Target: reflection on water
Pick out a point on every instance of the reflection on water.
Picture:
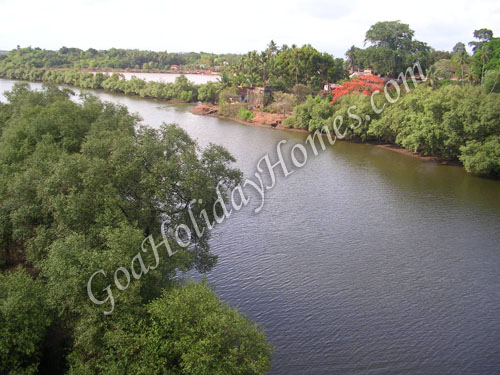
(364, 261)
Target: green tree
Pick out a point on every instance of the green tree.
(25, 317)
(209, 92)
(218, 342)
(462, 59)
(484, 55)
(391, 34)
(286, 67)
(82, 186)
(187, 330)
(482, 158)
(459, 48)
(392, 49)
(487, 58)
(483, 35)
(351, 57)
(492, 81)
(442, 122)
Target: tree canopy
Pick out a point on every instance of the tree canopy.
(391, 34)
(82, 186)
(114, 58)
(285, 67)
(391, 49)
(483, 35)
(451, 122)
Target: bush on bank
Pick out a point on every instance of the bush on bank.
(182, 89)
(452, 122)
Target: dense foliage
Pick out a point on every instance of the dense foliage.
(81, 186)
(482, 68)
(453, 122)
(184, 331)
(25, 318)
(113, 58)
(284, 67)
(182, 89)
(391, 49)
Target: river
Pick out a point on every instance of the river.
(364, 261)
(170, 77)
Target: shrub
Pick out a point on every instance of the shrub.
(209, 92)
(245, 114)
(482, 158)
(229, 104)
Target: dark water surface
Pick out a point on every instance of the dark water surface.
(365, 261)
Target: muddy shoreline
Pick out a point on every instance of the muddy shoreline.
(212, 111)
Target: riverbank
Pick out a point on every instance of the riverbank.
(400, 150)
(181, 89)
(188, 94)
(274, 121)
(260, 119)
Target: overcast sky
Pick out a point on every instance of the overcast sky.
(232, 25)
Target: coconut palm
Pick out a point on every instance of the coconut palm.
(350, 54)
(471, 78)
(462, 60)
(484, 54)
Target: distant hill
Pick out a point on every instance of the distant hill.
(3, 52)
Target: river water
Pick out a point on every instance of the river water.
(170, 77)
(364, 261)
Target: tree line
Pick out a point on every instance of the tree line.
(182, 89)
(281, 67)
(284, 67)
(114, 58)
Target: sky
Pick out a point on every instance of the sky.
(234, 26)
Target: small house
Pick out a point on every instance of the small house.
(330, 86)
(358, 73)
(256, 97)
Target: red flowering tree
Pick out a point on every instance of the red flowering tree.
(366, 85)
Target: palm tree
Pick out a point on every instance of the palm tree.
(272, 49)
(252, 79)
(224, 79)
(462, 60)
(350, 54)
(432, 78)
(484, 54)
(470, 77)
